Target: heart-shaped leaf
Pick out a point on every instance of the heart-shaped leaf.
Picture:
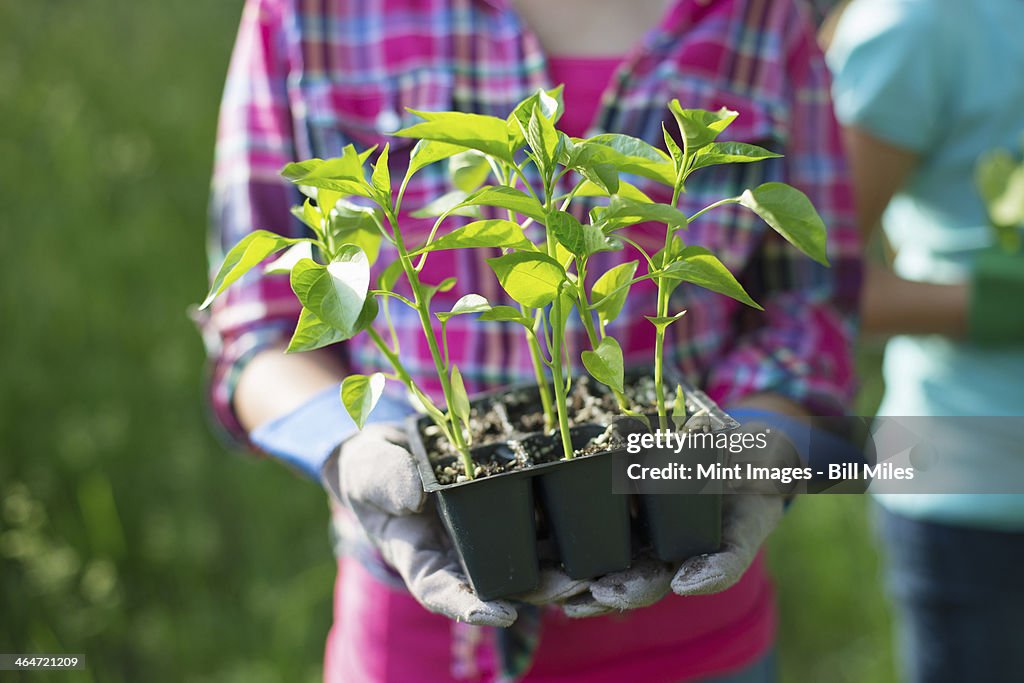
(360, 395)
(334, 293)
(605, 363)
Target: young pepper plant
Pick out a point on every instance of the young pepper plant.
(784, 208)
(330, 276)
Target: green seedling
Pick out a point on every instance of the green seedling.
(512, 168)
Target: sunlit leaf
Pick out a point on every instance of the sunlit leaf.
(699, 266)
(604, 298)
(530, 278)
(605, 363)
(249, 251)
(487, 233)
(790, 213)
(475, 131)
(360, 395)
(335, 293)
(470, 303)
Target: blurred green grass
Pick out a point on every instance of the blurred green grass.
(126, 531)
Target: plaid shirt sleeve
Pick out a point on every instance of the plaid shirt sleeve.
(801, 346)
(254, 140)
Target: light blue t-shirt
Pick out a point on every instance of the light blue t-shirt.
(944, 78)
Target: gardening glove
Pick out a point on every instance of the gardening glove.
(374, 476)
(997, 278)
(555, 587)
(747, 521)
(304, 438)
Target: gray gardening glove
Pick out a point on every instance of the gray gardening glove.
(374, 475)
(748, 519)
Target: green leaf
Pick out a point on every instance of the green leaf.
(604, 298)
(662, 322)
(730, 153)
(460, 399)
(487, 134)
(381, 178)
(673, 148)
(311, 216)
(591, 189)
(427, 152)
(605, 363)
(354, 224)
(623, 153)
(679, 408)
(551, 106)
(507, 198)
(451, 203)
(541, 135)
(700, 267)
(469, 170)
(312, 333)
(284, 263)
(507, 314)
(360, 394)
(446, 285)
(790, 213)
(699, 127)
(471, 303)
(342, 174)
(335, 293)
(478, 234)
(249, 251)
(530, 278)
(622, 212)
(568, 231)
(326, 200)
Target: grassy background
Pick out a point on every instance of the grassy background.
(126, 532)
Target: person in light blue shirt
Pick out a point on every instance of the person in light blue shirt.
(924, 88)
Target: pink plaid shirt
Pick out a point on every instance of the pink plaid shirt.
(308, 77)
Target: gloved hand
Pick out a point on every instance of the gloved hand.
(374, 475)
(997, 278)
(748, 518)
(747, 521)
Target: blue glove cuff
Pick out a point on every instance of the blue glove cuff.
(305, 437)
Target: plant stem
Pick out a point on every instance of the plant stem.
(659, 338)
(536, 357)
(422, 306)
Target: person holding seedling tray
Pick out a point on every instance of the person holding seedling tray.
(449, 220)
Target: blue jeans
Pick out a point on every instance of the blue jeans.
(959, 601)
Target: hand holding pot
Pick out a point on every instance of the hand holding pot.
(373, 475)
